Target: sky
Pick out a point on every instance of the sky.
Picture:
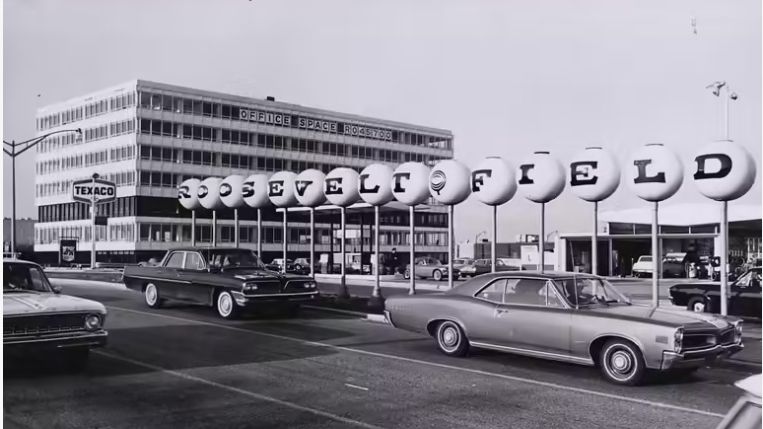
(506, 77)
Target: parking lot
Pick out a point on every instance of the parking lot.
(183, 367)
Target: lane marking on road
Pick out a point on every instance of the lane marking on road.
(247, 393)
(441, 365)
(356, 387)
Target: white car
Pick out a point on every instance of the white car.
(745, 414)
(643, 267)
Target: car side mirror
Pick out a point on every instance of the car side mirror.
(56, 289)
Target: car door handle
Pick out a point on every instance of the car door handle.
(499, 312)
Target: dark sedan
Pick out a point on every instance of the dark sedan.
(744, 295)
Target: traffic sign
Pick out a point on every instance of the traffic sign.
(98, 190)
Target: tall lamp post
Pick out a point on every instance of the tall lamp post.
(16, 149)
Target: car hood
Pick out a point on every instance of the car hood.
(645, 313)
(20, 303)
(253, 274)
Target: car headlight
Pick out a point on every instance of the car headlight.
(92, 322)
(249, 287)
(738, 331)
(678, 339)
(310, 285)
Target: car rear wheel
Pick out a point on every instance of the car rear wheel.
(697, 304)
(621, 362)
(437, 275)
(151, 294)
(451, 339)
(407, 274)
(226, 305)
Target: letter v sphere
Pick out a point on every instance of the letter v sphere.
(308, 188)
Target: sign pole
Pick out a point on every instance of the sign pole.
(92, 226)
(411, 253)
(235, 227)
(595, 240)
(312, 242)
(214, 228)
(343, 292)
(450, 246)
(259, 233)
(724, 258)
(493, 257)
(193, 228)
(655, 258)
(542, 238)
(285, 239)
(376, 296)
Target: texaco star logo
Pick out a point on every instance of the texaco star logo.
(437, 181)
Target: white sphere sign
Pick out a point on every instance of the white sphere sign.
(188, 194)
(281, 189)
(541, 177)
(230, 191)
(410, 183)
(373, 184)
(341, 186)
(254, 191)
(724, 171)
(449, 182)
(209, 193)
(656, 173)
(493, 181)
(308, 188)
(593, 174)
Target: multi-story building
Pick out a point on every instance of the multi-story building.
(148, 137)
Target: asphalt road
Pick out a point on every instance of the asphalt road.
(183, 367)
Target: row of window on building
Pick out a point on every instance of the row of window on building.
(116, 154)
(198, 107)
(99, 132)
(86, 110)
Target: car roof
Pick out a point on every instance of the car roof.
(188, 249)
(473, 286)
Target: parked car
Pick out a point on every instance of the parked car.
(482, 266)
(228, 279)
(302, 266)
(277, 265)
(462, 262)
(745, 413)
(674, 265)
(38, 319)
(643, 267)
(744, 295)
(569, 317)
(429, 268)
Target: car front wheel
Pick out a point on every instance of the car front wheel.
(697, 304)
(437, 275)
(621, 362)
(407, 274)
(451, 339)
(226, 305)
(151, 294)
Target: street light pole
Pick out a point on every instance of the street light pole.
(13, 153)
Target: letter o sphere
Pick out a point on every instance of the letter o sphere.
(494, 181)
(593, 174)
(724, 171)
(230, 191)
(373, 184)
(211, 198)
(281, 189)
(656, 173)
(308, 188)
(410, 183)
(187, 194)
(540, 177)
(254, 191)
(341, 186)
(449, 182)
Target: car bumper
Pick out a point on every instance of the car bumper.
(694, 358)
(252, 300)
(60, 341)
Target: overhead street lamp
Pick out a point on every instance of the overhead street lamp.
(17, 149)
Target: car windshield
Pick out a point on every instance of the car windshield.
(234, 258)
(645, 259)
(23, 277)
(588, 291)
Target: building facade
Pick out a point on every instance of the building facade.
(148, 137)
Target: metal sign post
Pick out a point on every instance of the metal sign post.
(93, 191)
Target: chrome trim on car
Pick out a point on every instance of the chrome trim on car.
(281, 294)
(100, 336)
(157, 279)
(534, 353)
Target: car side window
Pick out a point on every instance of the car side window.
(494, 291)
(175, 260)
(549, 295)
(193, 261)
(525, 292)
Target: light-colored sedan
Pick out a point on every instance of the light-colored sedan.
(427, 267)
(569, 317)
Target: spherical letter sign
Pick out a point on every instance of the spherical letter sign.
(541, 177)
(230, 191)
(656, 172)
(594, 175)
(410, 183)
(373, 184)
(449, 182)
(308, 188)
(341, 186)
(724, 171)
(281, 189)
(254, 191)
(209, 193)
(493, 181)
(188, 194)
